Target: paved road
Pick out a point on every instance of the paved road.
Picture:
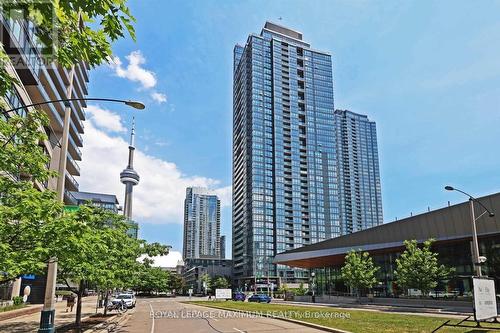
(176, 317)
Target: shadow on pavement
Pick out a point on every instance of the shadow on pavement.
(16, 327)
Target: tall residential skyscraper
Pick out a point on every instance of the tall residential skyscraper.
(201, 224)
(284, 164)
(359, 175)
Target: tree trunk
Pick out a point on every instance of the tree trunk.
(106, 303)
(79, 306)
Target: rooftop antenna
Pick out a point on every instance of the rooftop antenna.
(132, 133)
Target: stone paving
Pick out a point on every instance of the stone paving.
(30, 323)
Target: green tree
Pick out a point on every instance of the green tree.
(85, 29)
(359, 271)
(418, 267)
(221, 282)
(300, 291)
(24, 209)
(176, 283)
(154, 279)
(92, 246)
(206, 280)
(283, 289)
(32, 223)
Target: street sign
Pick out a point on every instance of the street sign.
(71, 208)
(223, 294)
(485, 303)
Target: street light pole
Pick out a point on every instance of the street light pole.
(48, 311)
(475, 244)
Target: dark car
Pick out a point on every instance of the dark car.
(239, 296)
(260, 298)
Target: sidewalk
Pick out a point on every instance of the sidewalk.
(31, 322)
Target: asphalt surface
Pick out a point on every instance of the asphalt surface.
(161, 315)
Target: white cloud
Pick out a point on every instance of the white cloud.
(159, 197)
(105, 119)
(225, 195)
(161, 143)
(170, 260)
(134, 71)
(159, 97)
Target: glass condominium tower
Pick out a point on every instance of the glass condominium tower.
(285, 188)
(359, 174)
(201, 224)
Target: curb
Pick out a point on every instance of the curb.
(295, 321)
(20, 312)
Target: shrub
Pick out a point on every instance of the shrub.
(17, 300)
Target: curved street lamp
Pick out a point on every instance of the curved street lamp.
(475, 245)
(135, 104)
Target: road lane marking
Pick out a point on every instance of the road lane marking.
(234, 328)
(153, 324)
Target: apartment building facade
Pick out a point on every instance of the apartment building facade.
(360, 194)
(201, 224)
(284, 168)
(286, 161)
(42, 81)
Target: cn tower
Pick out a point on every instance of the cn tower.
(129, 176)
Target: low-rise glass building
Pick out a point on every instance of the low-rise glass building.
(451, 229)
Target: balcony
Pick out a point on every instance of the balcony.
(76, 135)
(72, 166)
(74, 150)
(71, 183)
(20, 42)
(69, 198)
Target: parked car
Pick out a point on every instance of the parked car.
(239, 296)
(129, 299)
(260, 298)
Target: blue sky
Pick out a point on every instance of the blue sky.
(428, 72)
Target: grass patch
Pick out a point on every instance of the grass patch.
(356, 321)
(12, 307)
